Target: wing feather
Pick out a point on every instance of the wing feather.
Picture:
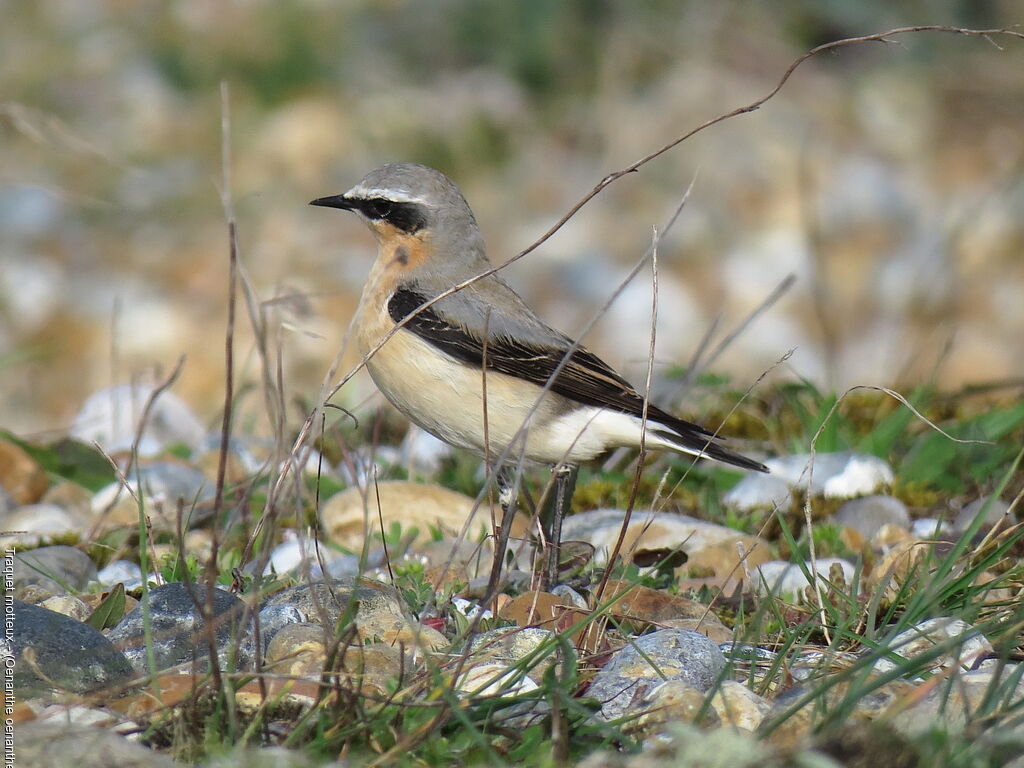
(583, 378)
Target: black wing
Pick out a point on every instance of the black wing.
(583, 378)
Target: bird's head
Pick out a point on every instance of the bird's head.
(407, 200)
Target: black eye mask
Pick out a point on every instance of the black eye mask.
(408, 217)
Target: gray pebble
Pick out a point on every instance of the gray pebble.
(274, 618)
(56, 569)
(930, 528)
(954, 707)
(778, 577)
(759, 491)
(178, 630)
(72, 655)
(62, 745)
(110, 418)
(924, 636)
(744, 652)
(869, 514)
(841, 475)
(36, 523)
(7, 502)
(570, 595)
(268, 757)
(510, 645)
(997, 509)
(330, 600)
(679, 654)
(121, 572)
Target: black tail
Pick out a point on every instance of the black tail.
(697, 439)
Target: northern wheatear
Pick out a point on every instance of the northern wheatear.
(432, 369)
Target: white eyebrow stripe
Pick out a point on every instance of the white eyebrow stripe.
(396, 196)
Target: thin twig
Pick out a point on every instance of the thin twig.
(770, 300)
(635, 488)
(488, 464)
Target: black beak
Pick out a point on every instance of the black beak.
(335, 201)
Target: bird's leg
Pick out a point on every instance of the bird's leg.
(551, 521)
(508, 497)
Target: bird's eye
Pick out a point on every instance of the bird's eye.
(378, 209)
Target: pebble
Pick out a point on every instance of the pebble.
(372, 668)
(885, 538)
(385, 626)
(247, 454)
(424, 452)
(342, 566)
(379, 612)
(347, 519)
(673, 701)
(745, 652)
(300, 650)
(759, 491)
(70, 497)
(739, 706)
(650, 530)
(268, 757)
(840, 475)
(7, 503)
(899, 562)
(869, 514)
(275, 618)
(687, 746)
(325, 602)
(73, 655)
(815, 665)
(67, 605)
(299, 553)
(513, 580)
(21, 476)
(571, 596)
(930, 528)
(955, 704)
(453, 560)
(782, 578)
(165, 485)
(924, 636)
(32, 524)
(678, 654)
(798, 725)
(297, 556)
(121, 572)
(61, 745)
(639, 605)
(57, 569)
(76, 714)
(178, 630)
(511, 645)
(470, 609)
(997, 510)
(494, 679)
(297, 650)
(110, 417)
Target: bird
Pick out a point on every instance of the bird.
(548, 399)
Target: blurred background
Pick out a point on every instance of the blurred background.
(887, 178)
